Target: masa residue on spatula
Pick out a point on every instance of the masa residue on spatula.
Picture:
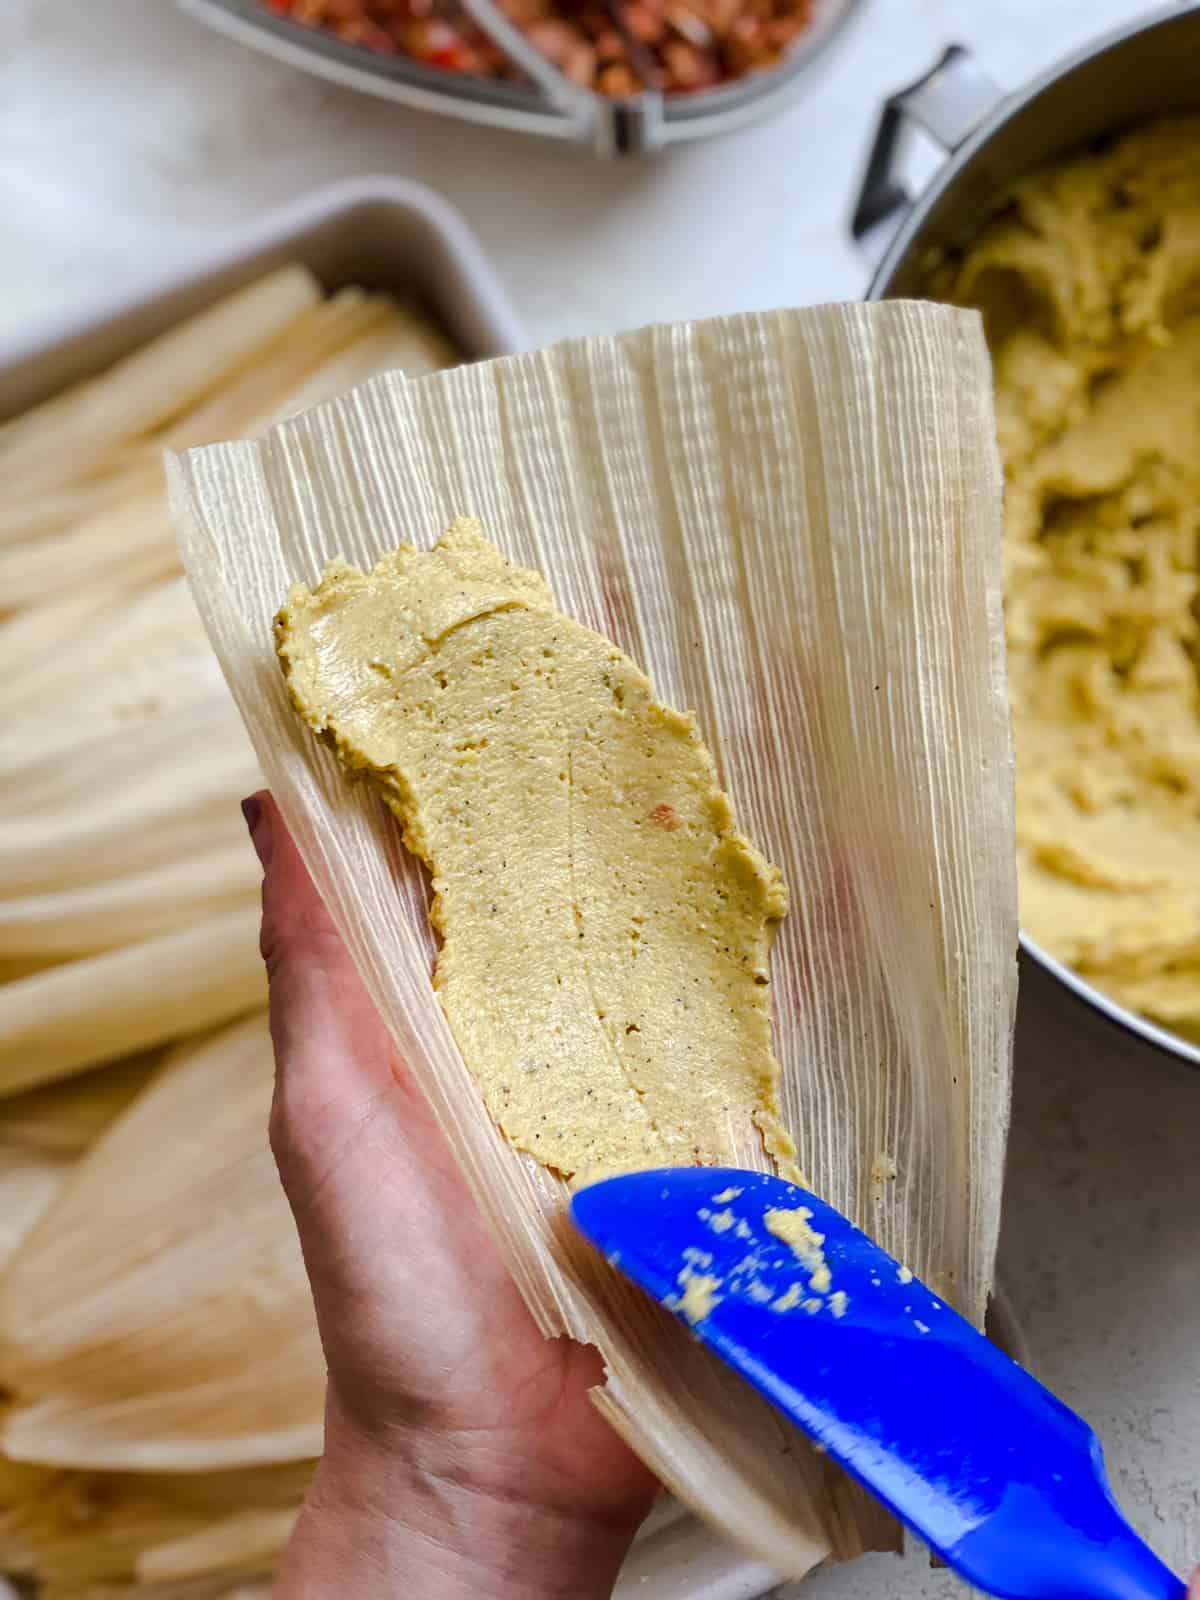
(606, 930)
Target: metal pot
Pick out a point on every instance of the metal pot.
(992, 139)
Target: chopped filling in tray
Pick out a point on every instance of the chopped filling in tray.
(614, 47)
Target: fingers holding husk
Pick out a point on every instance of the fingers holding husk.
(333, 1055)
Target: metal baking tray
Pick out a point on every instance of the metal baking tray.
(548, 102)
(380, 233)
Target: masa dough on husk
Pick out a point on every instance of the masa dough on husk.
(1089, 281)
(606, 930)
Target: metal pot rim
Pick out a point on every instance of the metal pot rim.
(1129, 1021)
(1006, 107)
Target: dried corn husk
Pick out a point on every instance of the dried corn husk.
(244, 1541)
(158, 1318)
(129, 543)
(76, 1528)
(19, 1481)
(405, 341)
(185, 761)
(31, 640)
(37, 515)
(96, 721)
(86, 918)
(253, 398)
(63, 1119)
(58, 441)
(56, 647)
(207, 1588)
(161, 1315)
(29, 1181)
(793, 523)
(90, 1011)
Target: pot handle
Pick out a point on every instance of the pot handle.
(949, 102)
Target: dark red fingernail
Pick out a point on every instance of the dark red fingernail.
(260, 830)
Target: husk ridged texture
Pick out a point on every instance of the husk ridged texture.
(76, 1529)
(792, 522)
(158, 1317)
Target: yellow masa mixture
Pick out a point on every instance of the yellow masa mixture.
(1090, 286)
(605, 929)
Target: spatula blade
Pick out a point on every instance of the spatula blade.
(997, 1475)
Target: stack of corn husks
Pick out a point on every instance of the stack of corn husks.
(160, 1372)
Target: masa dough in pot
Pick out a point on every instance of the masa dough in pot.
(606, 930)
(1089, 281)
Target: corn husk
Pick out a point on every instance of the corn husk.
(253, 399)
(405, 341)
(185, 762)
(122, 726)
(31, 640)
(100, 720)
(208, 1588)
(129, 542)
(87, 918)
(64, 1119)
(58, 441)
(56, 647)
(29, 1181)
(244, 1541)
(19, 1481)
(76, 1528)
(54, 510)
(10, 971)
(94, 1010)
(128, 889)
(159, 1318)
(792, 521)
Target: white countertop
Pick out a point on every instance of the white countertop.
(130, 138)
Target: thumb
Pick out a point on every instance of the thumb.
(350, 1132)
(333, 1056)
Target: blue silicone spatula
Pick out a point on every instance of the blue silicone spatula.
(993, 1472)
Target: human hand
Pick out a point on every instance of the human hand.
(462, 1454)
